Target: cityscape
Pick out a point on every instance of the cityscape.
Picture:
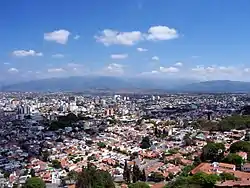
(165, 137)
(124, 94)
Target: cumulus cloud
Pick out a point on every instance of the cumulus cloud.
(161, 33)
(55, 70)
(13, 70)
(110, 37)
(58, 56)
(169, 69)
(178, 64)
(24, 53)
(155, 58)
(142, 49)
(114, 68)
(59, 36)
(119, 56)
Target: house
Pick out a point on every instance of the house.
(246, 167)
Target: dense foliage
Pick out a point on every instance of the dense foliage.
(90, 177)
(139, 185)
(213, 152)
(240, 146)
(34, 182)
(226, 124)
(199, 180)
(145, 143)
(233, 158)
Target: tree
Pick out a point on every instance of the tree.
(197, 161)
(187, 141)
(145, 143)
(227, 176)
(233, 158)
(205, 180)
(156, 177)
(143, 176)
(34, 182)
(101, 144)
(213, 152)
(139, 185)
(73, 175)
(240, 146)
(32, 172)
(56, 164)
(136, 173)
(170, 175)
(95, 178)
(45, 155)
(126, 173)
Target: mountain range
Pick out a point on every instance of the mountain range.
(77, 84)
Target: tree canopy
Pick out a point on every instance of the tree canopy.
(145, 143)
(139, 185)
(213, 152)
(34, 182)
(94, 178)
(233, 158)
(240, 146)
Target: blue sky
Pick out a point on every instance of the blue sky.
(196, 39)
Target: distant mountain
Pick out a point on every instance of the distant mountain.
(96, 82)
(107, 83)
(218, 86)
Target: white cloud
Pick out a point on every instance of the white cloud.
(155, 58)
(169, 69)
(214, 69)
(56, 70)
(110, 37)
(24, 53)
(114, 68)
(76, 37)
(178, 64)
(13, 70)
(60, 36)
(58, 56)
(161, 33)
(6, 63)
(142, 50)
(119, 56)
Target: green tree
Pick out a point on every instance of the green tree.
(32, 172)
(233, 158)
(205, 180)
(145, 143)
(227, 176)
(101, 144)
(91, 177)
(34, 182)
(56, 164)
(126, 173)
(73, 175)
(156, 177)
(143, 176)
(213, 152)
(136, 173)
(197, 161)
(240, 146)
(139, 185)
